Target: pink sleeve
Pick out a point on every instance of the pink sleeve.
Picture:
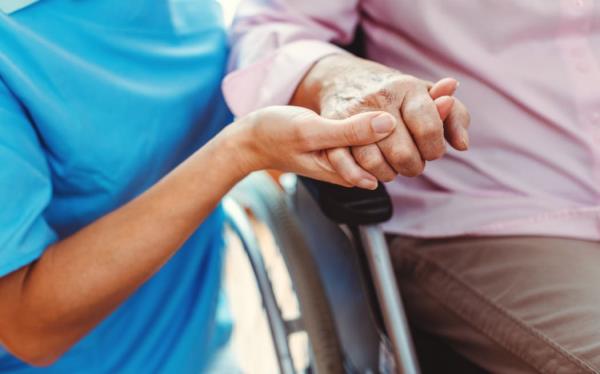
(275, 42)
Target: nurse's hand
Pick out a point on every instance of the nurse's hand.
(295, 139)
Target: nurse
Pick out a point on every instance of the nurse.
(111, 241)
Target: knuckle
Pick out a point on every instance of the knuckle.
(371, 100)
(439, 152)
(371, 163)
(368, 159)
(404, 82)
(428, 131)
(386, 96)
(414, 170)
(407, 162)
(353, 178)
(413, 116)
(341, 182)
(434, 154)
(420, 167)
(400, 156)
(415, 106)
(388, 177)
(336, 159)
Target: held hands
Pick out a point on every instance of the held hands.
(375, 123)
(428, 116)
(295, 139)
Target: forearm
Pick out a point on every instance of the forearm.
(47, 306)
(81, 279)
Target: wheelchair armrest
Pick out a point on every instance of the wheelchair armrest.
(350, 206)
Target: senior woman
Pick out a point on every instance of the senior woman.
(110, 232)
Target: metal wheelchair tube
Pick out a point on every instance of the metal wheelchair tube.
(388, 294)
(367, 210)
(239, 223)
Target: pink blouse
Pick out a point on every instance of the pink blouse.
(530, 76)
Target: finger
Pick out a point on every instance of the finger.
(316, 165)
(360, 129)
(343, 163)
(422, 119)
(443, 87)
(333, 178)
(401, 152)
(370, 158)
(444, 106)
(456, 126)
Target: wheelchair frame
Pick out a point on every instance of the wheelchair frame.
(364, 211)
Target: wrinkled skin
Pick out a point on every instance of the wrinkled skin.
(428, 116)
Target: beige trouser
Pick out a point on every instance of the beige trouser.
(509, 304)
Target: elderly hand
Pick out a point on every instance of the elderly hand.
(339, 86)
(296, 139)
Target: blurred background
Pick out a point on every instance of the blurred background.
(229, 7)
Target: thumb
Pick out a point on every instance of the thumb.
(361, 129)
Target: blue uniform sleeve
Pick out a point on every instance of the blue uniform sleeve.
(25, 188)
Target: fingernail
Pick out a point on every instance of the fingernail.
(465, 138)
(383, 123)
(368, 184)
(455, 88)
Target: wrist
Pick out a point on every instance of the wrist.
(319, 80)
(236, 144)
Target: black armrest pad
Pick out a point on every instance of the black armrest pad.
(351, 206)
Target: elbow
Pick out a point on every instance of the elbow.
(35, 350)
(38, 359)
(31, 332)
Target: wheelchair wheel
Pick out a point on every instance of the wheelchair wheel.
(268, 203)
(314, 306)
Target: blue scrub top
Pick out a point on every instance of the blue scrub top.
(98, 100)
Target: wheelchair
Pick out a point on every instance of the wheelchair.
(338, 261)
